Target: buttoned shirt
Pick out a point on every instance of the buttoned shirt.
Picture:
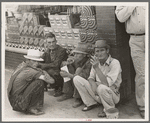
(111, 69)
(134, 18)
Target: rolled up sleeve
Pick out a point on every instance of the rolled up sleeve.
(92, 74)
(113, 74)
(124, 12)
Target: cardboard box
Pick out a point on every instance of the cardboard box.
(76, 34)
(63, 34)
(70, 34)
(52, 21)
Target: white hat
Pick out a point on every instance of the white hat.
(33, 55)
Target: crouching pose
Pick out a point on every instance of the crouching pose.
(80, 66)
(104, 80)
(26, 85)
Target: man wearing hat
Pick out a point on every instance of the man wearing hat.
(80, 66)
(53, 58)
(104, 81)
(26, 85)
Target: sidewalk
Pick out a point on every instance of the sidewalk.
(64, 110)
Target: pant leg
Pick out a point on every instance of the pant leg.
(32, 96)
(58, 82)
(107, 96)
(137, 45)
(68, 88)
(85, 90)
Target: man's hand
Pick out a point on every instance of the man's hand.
(78, 70)
(47, 78)
(66, 74)
(94, 61)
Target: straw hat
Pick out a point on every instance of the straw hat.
(33, 55)
(83, 48)
(101, 44)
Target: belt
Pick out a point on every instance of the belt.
(136, 34)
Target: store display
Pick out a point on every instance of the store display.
(92, 22)
(31, 33)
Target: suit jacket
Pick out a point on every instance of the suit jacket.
(53, 67)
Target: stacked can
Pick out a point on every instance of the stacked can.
(31, 33)
(12, 32)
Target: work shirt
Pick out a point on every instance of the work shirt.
(134, 18)
(24, 78)
(111, 69)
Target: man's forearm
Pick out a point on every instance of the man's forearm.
(101, 76)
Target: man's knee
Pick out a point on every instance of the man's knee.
(76, 80)
(101, 89)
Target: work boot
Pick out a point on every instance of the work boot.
(35, 111)
(78, 102)
(64, 97)
(58, 92)
(101, 114)
(142, 113)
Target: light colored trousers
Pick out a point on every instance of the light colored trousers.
(104, 95)
(137, 45)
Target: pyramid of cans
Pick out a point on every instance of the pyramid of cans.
(31, 33)
(12, 32)
(88, 32)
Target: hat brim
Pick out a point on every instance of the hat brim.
(76, 51)
(36, 59)
(107, 46)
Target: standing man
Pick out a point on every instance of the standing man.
(53, 57)
(80, 66)
(26, 85)
(104, 80)
(134, 18)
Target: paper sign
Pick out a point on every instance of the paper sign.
(65, 68)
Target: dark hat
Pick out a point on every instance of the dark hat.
(83, 48)
(49, 35)
(101, 44)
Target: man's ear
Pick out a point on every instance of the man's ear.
(108, 51)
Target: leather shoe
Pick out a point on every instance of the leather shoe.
(101, 114)
(78, 102)
(36, 111)
(64, 97)
(142, 113)
(58, 93)
(87, 108)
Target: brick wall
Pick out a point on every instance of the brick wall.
(12, 59)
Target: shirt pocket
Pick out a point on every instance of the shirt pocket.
(30, 78)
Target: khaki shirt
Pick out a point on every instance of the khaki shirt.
(111, 69)
(134, 18)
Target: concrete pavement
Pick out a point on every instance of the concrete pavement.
(63, 110)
